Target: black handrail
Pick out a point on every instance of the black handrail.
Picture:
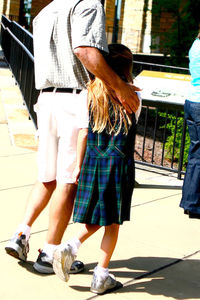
(17, 45)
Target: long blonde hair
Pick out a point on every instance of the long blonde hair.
(106, 112)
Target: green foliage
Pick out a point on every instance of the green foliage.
(170, 142)
(177, 41)
(166, 5)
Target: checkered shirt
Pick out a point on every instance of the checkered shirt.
(60, 27)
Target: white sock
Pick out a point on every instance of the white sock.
(101, 272)
(75, 244)
(25, 229)
(49, 249)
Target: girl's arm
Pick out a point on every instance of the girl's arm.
(81, 147)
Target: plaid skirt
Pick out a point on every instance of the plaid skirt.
(107, 179)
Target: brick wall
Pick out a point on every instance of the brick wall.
(10, 8)
(110, 14)
(132, 24)
(37, 5)
(137, 24)
(1, 8)
(110, 11)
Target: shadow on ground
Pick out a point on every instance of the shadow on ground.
(170, 277)
(28, 265)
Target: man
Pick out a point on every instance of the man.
(69, 37)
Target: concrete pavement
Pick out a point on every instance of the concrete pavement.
(158, 253)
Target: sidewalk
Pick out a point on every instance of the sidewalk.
(158, 254)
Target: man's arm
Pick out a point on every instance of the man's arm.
(94, 62)
(81, 147)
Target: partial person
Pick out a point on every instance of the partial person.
(69, 40)
(106, 179)
(190, 201)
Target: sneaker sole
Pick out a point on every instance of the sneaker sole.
(42, 269)
(62, 266)
(15, 251)
(117, 286)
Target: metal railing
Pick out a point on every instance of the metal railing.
(139, 66)
(152, 131)
(162, 127)
(160, 140)
(17, 44)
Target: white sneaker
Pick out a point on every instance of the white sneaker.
(62, 261)
(102, 285)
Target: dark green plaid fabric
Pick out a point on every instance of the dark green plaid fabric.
(107, 179)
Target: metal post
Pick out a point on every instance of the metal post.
(180, 165)
(118, 4)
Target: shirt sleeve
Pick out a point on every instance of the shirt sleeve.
(137, 113)
(88, 26)
(83, 114)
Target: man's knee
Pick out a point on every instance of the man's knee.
(46, 186)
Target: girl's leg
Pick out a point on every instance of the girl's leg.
(108, 244)
(102, 280)
(86, 231)
(65, 254)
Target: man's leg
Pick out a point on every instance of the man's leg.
(38, 199)
(60, 212)
(39, 196)
(63, 161)
(59, 216)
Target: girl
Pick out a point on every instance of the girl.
(106, 180)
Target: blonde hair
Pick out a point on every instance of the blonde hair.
(106, 112)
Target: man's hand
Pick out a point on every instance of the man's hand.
(94, 62)
(76, 174)
(128, 97)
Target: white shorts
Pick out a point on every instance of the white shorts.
(59, 117)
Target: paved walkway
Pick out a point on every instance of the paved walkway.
(158, 254)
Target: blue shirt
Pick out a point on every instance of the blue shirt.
(194, 66)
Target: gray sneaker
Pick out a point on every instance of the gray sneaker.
(62, 261)
(101, 286)
(18, 246)
(43, 263)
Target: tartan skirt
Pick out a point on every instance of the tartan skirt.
(107, 179)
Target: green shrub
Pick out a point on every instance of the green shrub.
(171, 125)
